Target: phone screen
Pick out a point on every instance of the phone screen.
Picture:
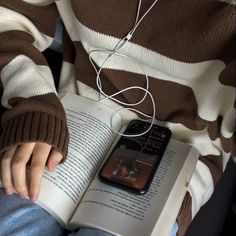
(134, 160)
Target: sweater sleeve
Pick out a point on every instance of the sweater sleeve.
(34, 112)
(210, 168)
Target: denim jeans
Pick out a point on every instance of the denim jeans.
(21, 217)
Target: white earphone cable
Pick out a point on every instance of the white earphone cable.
(113, 52)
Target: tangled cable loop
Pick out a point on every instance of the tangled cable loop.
(115, 52)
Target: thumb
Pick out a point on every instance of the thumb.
(54, 159)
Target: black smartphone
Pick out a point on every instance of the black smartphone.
(133, 161)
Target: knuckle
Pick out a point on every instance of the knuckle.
(43, 145)
(18, 163)
(6, 158)
(37, 168)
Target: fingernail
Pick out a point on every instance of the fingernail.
(9, 191)
(53, 166)
(23, 194)
(34, 197)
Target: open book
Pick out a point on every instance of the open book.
(76, 197)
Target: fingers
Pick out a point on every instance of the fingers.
(6, 177)
(39, 159)
(13, 168)
(18, 167)
(54, 159)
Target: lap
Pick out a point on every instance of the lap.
(21, 217)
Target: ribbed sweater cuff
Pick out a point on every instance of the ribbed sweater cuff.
(35, 127)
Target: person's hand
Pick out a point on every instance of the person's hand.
(13, 167)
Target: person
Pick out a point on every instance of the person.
(126, 169)
(184, 47)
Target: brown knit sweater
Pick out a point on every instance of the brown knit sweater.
(186, 47)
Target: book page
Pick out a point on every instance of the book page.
(123, 213)
(90, 138)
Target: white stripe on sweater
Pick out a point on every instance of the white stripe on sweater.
(201, 138)
(200, 187)
(200, 77)
(39, 2)
(228, 1)
(23, 78)
(11, 20)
